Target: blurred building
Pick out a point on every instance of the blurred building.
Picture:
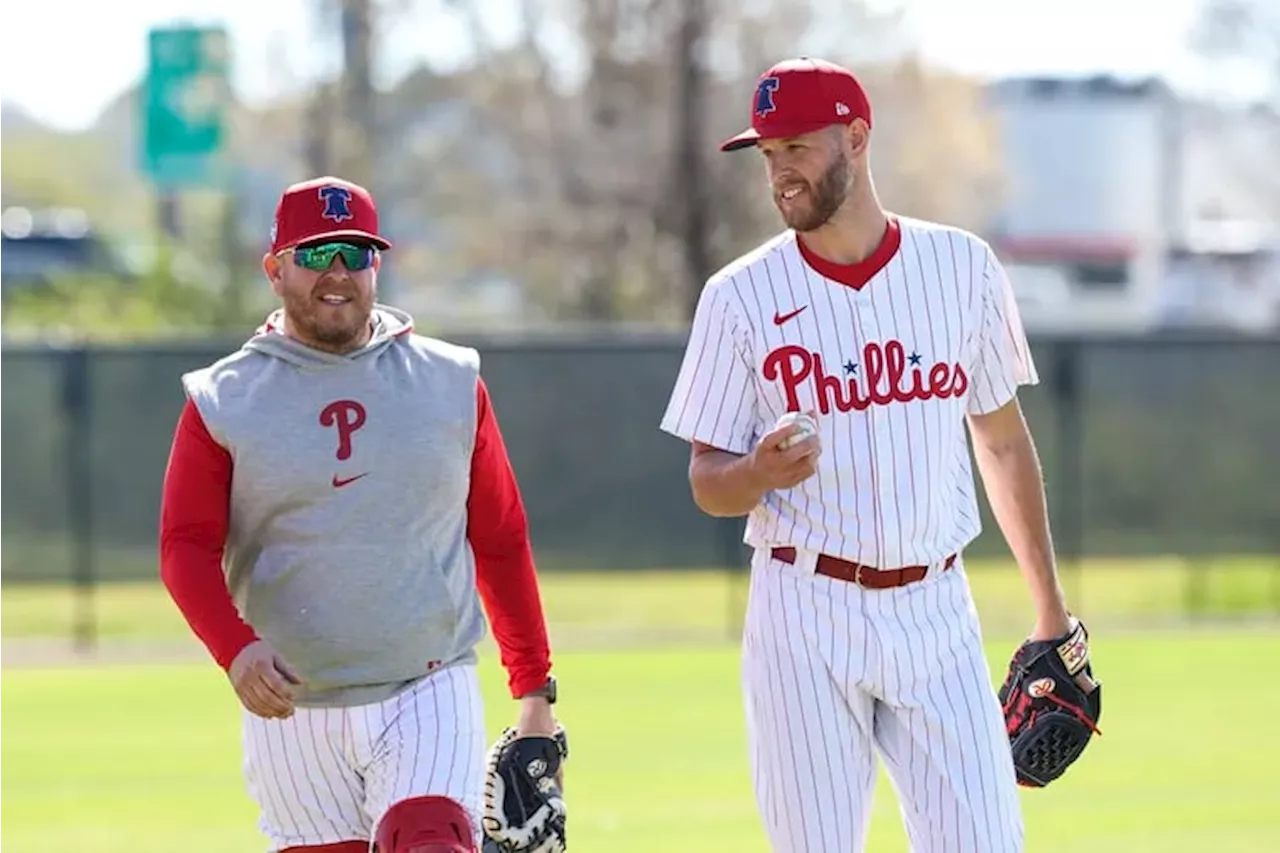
(38, 245)
(1128, 207)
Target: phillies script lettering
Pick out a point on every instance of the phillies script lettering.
(348, 416)
(884, 369)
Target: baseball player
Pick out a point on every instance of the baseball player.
(337, 507)
(860, 637)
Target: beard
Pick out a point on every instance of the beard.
(332, 328)
(814, 207)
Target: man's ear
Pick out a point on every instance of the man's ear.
(857, 136)
(273, 268)
(377, 262)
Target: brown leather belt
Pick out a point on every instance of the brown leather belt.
(868, 576)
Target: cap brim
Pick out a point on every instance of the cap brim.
(749, 137)
(746, 139)
(381, 242)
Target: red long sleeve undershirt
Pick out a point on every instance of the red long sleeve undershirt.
(194, 515)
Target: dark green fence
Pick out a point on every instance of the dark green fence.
(1151, 446)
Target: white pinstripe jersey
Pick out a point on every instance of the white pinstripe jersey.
(892, 353)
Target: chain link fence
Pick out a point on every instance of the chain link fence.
(1154, 446)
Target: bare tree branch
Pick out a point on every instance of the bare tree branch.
(607, 197)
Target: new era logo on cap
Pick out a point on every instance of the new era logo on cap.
(799, 96)
(325, 208)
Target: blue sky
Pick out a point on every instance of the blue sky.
(274, 44)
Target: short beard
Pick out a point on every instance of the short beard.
(827, 197)
(328, 337)
(336, 340)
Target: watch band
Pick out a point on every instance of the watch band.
(546, 691)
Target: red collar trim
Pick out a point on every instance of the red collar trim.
(856, 275)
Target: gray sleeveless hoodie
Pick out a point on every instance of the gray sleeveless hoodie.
(347, 548)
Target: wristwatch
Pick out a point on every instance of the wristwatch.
(547, 691)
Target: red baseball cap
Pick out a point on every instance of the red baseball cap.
(324, 209)
(799, 96)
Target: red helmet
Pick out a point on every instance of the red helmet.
(425, 825)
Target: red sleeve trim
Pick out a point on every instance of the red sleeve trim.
(194, 517)
(498, 531)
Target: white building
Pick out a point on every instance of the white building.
(1130, 208)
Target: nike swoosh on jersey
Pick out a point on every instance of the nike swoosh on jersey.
(339, 482)
(779, 318)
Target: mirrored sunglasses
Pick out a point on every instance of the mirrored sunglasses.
(320, 258)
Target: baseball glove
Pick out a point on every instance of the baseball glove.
(524, 808)
(1049, 716)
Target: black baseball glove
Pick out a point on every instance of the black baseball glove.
(1051, 705)
(524, 808)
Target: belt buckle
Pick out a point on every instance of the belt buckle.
(857, 573)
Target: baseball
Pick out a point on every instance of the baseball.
(807, 424)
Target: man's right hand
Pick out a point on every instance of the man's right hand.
(776, 467)
(264, 681)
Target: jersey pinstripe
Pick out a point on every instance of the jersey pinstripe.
(835, 674)
(891, 369)
(328, 774)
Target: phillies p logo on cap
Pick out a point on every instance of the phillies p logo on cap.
(325, 208)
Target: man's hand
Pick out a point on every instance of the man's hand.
(264, 681)
(524, 807)
(537, 718)
(773, 466)
(727, 484)
(1056, 626)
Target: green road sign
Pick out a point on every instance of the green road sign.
(185, 99)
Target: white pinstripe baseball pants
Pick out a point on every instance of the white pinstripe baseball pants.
(326, 775)
(835, 674)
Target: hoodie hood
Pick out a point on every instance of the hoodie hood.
(269, 339)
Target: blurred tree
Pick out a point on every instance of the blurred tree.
(586, 165)
(1244, 36)
(935, 151)
(356, 152)
(1241, 31)
(576, 159)
(691, 173)
(170, 299)
(94, 171)
(341, 117)
(76, 170)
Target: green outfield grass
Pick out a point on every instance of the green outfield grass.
(113, 755)
(1186, 762)
(669, 607)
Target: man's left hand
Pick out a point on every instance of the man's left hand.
(1054, 627)
(1051, 704)
(537, 718)
(524, 807)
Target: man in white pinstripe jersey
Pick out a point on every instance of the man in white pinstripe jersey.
(861, 638)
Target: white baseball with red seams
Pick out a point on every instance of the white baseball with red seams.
(891, 354)
(808, 426)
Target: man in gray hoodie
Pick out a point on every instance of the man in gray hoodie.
(337, 509)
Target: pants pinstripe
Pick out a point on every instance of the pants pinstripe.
(328, 774)
(835, 675)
